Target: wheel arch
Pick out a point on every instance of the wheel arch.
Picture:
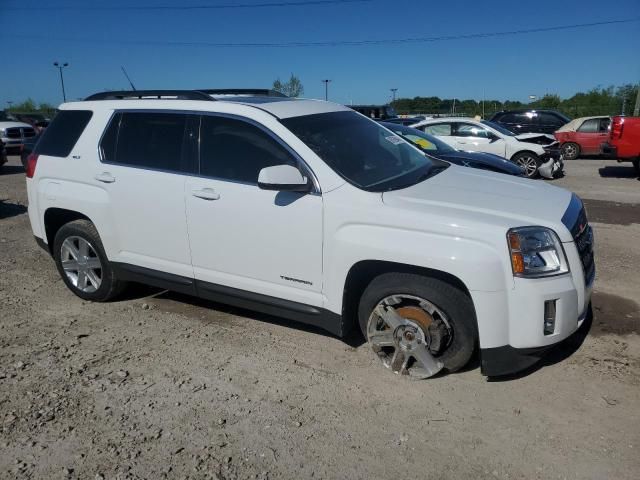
(55, 218)
(520, 152)
(363, 272)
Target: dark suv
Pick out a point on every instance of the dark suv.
(530, 121)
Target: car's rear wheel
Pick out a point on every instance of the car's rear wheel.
(83, 264)
(529, 162)
(418, 325)
(570, 151)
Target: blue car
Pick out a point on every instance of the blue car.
(438, 149)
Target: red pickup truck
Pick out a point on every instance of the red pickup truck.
(624, 140)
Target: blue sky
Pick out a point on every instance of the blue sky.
(509, 67)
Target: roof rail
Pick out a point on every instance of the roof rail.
(151, 94)
(254, 92)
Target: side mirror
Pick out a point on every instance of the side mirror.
(493, 137)
(283, 178)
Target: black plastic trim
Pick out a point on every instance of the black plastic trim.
(154, 94)
(506, 360)
(41, 243)
(135, 273)
(300, 312)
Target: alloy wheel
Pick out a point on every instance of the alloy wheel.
(408, 333)
(529, 164)
(81, 264)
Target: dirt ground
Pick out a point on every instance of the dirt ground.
(159, 385)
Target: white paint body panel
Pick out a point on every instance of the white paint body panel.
(506, 146)
(250, 239)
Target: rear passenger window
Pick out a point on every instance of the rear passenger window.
(149, 140)
(235, 150)
(439, 129)
(61, 136)
(590, 126)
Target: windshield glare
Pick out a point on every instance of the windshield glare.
(362, 152)
(499, 128)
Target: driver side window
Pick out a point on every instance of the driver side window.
(235, 150)
(470, 130)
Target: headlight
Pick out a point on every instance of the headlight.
(536, 252)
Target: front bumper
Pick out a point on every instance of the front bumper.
(507, 360)
(552, 162)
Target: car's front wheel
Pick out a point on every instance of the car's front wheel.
(529, 162)
(418, 325)
(570, 151)
(83, 264)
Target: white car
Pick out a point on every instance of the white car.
(537, 154)
(310, 211)
(13, 134)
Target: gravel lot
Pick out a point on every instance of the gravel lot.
(159, 385)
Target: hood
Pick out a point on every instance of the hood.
(467, 195)
(537, 138)
(484, 161)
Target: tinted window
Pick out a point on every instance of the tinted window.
(469, 130)
(362, 151)
(235, 150)
(519, 118)
(550, 119)
(590, 126)
(605, 124)
(438, 129)
(61, 136)
(150, 140)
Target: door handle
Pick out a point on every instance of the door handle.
(105, 177)
(206, 194)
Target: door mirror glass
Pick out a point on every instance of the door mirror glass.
(283, 178)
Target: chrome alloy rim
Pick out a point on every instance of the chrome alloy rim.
(408, 333)
(570, 150)
(529, 164)
(81, 264)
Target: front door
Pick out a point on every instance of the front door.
(241, 236)
(473, 138)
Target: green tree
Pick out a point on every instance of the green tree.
(292, 88)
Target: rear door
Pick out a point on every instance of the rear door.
(474, 138)
(145, 156)
(241, 236)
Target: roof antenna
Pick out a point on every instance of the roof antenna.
(130, 82)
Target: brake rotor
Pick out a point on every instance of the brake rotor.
(418, 315)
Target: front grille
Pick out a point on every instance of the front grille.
(13, 132)
(583, 236)
(20, 132)
(28, 132)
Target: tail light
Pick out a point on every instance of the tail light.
(617, 126)
(32, 160)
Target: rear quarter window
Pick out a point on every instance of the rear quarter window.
(62, 134)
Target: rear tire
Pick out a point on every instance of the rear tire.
(570, 151)
(83, 264)
(452, 346)
(529, 162)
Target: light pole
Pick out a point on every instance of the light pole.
(60, 67)
(393, 91)
(326, 88)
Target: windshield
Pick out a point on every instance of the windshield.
(362, 152)
(426, 142)
(499, 128)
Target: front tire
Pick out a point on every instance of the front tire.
(418, 325)
(570, 151)
(83, 264)
(529, 162)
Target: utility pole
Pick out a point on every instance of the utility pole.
(60, 67)
(326, 88)
(636, 109)
(393, 91)
(624, 105)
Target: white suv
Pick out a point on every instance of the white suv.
(310, 211)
